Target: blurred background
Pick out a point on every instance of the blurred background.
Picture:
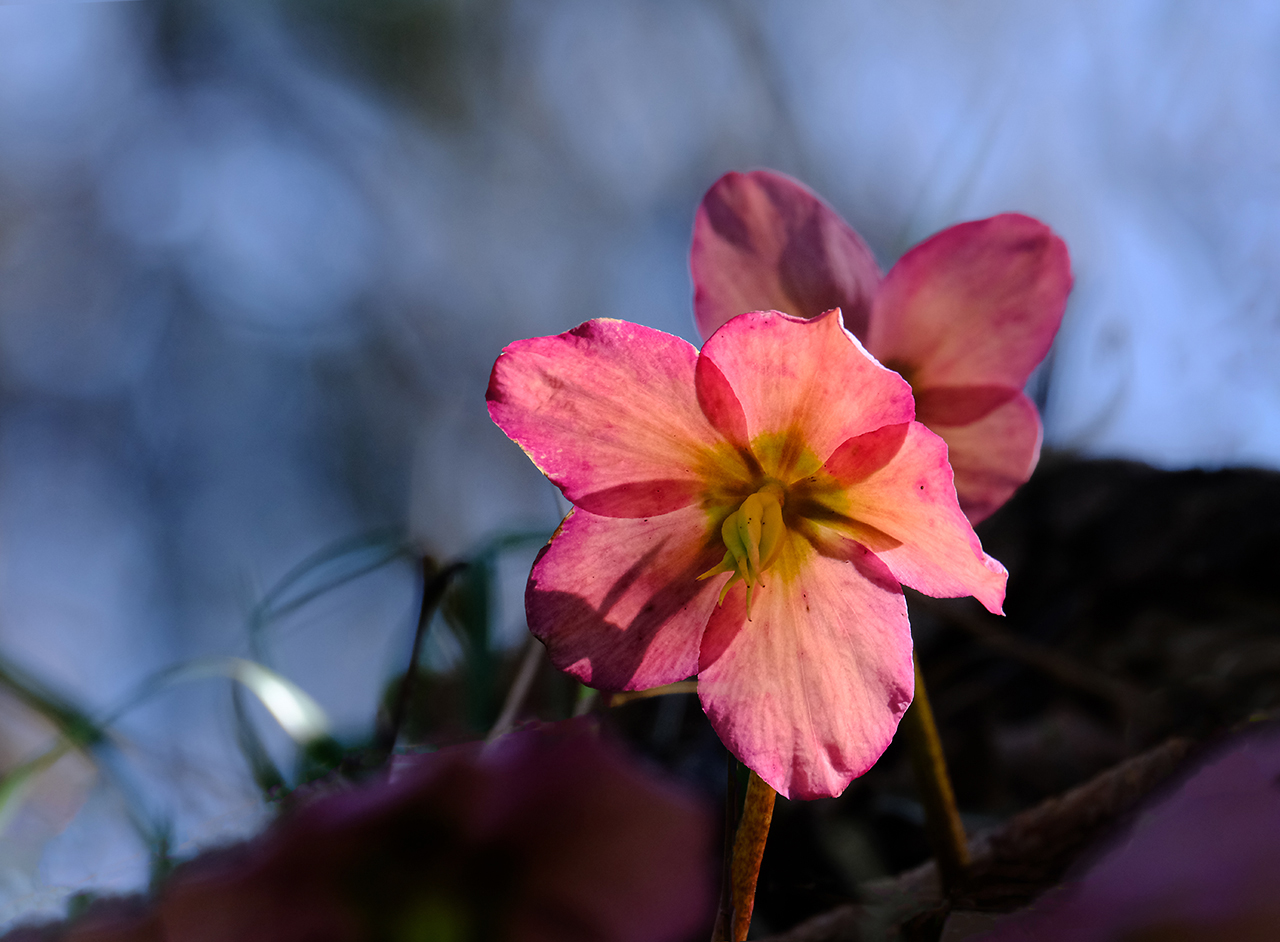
(257, 259)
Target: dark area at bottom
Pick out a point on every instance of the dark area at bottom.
(1142, 604)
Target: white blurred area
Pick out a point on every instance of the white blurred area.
(250, 296)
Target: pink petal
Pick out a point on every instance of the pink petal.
(762, 241)
(859, 458)
(808, 693)
(617, 601)
(939, 406)
(994, 456)
(808, 379)
(608, 411)
(912, 499)
(975, 305)
(720, 403)
(640, 498)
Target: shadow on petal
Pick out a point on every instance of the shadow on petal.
(655, 641)
(959, 405)
(640, 498)
(862, 456)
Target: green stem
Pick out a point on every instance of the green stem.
(941, 818)
(748, 850)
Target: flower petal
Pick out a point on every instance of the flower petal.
(975, 305)
(617, 601)
(994, 456)
(720, 403)
(762, 241)
(606, 407)
(860, 457)
(913, 499)
(808, 693)
(939, 406)
(807, 378)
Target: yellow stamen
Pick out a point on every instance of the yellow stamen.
(749, 517)
(752, 537)
(772, 530)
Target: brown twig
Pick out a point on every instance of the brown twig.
(1013, 862)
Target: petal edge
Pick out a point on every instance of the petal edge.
(763, 241)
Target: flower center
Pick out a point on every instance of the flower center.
(752, 537)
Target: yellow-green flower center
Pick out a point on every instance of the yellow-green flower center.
(752, 537)
(764, 498)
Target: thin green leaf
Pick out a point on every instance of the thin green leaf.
(292, 707)
(327, 569)
(266, 774)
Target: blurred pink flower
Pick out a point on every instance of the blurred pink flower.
(547, 835)
(964, 316)
(1201, 865)
(747, 514)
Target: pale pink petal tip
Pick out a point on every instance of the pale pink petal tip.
(810, 704)
(913, 500)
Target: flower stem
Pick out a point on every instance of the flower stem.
(748, 849)
(941, 819)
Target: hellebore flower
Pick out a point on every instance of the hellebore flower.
(747, 514)
(547, 835)
(1200, 865)
(964, 316)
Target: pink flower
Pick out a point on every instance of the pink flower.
(546, 836)
(964, 316)
(747, 514)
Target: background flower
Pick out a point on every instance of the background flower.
(965, 316)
